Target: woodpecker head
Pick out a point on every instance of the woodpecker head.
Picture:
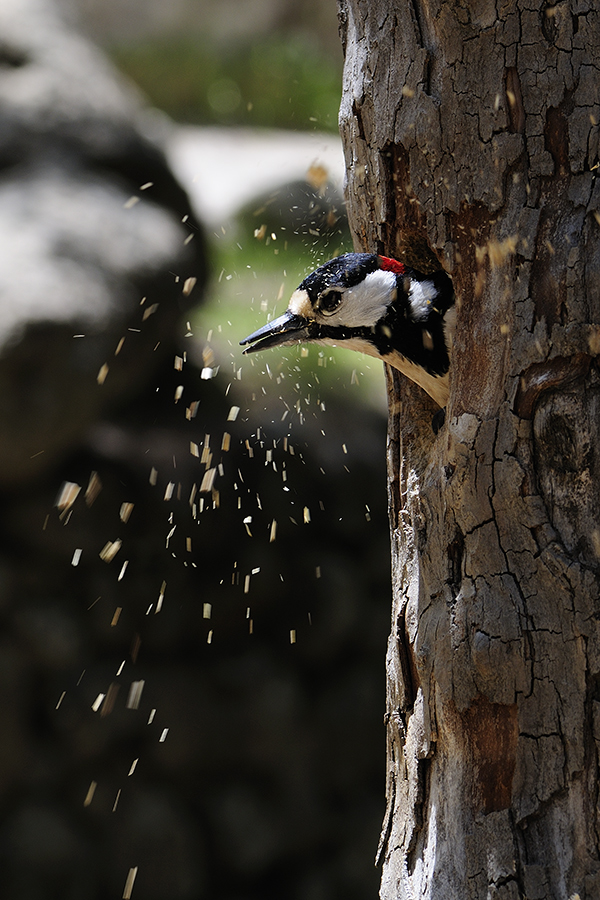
(375, 305)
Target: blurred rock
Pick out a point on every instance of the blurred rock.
(47, 855)
(227, 169)
(312, 213)
(92, 244)
(269, 780)
(162, 837)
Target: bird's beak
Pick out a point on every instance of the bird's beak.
(287, 329)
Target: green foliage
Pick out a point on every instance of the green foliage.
(275, 82)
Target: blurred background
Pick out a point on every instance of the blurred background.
(194, 566)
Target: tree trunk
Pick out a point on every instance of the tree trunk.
(471, 137)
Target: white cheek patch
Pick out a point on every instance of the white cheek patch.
(420, 296)
(365, 303)
(300, 305)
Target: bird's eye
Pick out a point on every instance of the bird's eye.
(329, 302)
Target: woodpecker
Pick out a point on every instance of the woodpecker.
(375, 305)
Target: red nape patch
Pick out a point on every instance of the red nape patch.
(391, 265)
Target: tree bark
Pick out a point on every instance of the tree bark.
(470, 132)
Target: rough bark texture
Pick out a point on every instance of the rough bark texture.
(471, 138)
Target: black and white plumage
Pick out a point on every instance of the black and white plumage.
(375, 305)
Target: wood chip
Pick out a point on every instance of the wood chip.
(98, 702)
(208, 481)
(90, 793)
(192, 409)
(110, 550)
(188, 286)
(161, 596)
(135, 694)
(93, 489)
(125, 511)
(76, 557)
(109, 700)
(149, 311)
(67, 495)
